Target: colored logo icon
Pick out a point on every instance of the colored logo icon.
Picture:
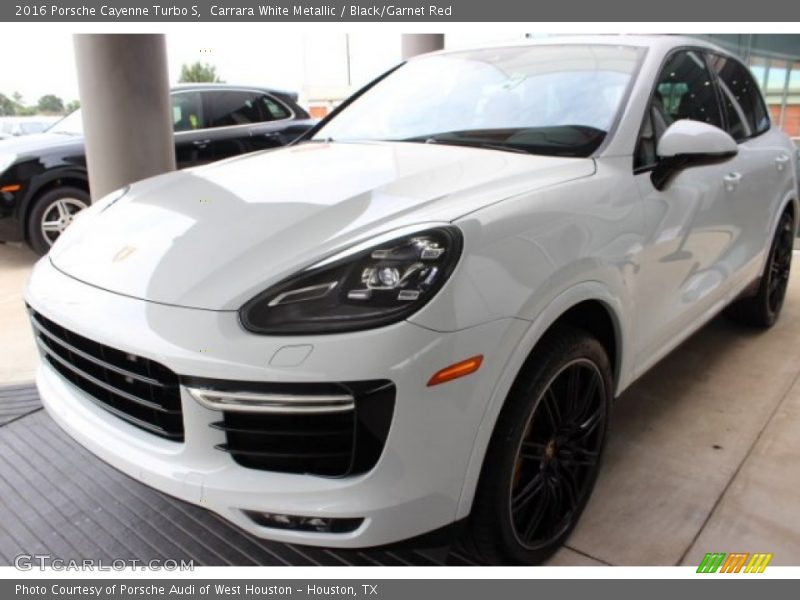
(737, 562)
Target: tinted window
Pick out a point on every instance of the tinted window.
(273, 110)
(232, 108)
(187, 111)
(683, 90)
(744, 109)
(686, 91)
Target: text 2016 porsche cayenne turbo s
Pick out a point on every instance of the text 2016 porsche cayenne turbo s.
(418, 317)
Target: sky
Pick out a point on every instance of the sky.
(314, 64)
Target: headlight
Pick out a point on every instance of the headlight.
(6, 160)
(362, 289)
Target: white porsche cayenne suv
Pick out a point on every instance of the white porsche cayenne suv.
(415, 319)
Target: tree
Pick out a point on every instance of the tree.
(72, 106)
(7, 106)
(199, 73)
(50, 103)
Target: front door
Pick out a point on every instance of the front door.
(690, 233)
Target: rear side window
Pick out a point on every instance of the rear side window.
(226, 108)
(744, 108)
(273, 110)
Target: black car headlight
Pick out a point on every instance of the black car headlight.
(367, 288)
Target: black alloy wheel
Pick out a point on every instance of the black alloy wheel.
(545, 451)
(780, 264)
(558, 455)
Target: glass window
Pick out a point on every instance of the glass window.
(226, 108)
(683, 90)
(550, 99)
(72, 124)
(745, 111)
(273, 110)
(187, 111)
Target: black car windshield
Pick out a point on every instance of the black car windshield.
(558, 100)
(72, 124)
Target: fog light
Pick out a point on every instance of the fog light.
(298, 523)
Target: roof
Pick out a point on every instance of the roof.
(661, 42)
(234, 86)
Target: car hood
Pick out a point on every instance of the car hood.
(34, 144)
(214, 236)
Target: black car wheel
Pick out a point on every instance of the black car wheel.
(52, 213)
(545, 452)
(764, 308)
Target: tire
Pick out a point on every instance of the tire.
(52, 212)
(763, 309)
(535, 467)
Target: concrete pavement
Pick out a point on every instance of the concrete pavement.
(703, 455)
(18, 354)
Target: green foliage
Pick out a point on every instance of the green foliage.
(50, 103)
(199, 73)
(7, 106)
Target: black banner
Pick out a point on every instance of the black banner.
(733, 588)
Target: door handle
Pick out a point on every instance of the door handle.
(782, 161)
(732, 180)
(201, 143)
(272, 135)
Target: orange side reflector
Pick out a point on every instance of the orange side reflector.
(11, 188)
(459, 369)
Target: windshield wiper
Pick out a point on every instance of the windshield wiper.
(468, 143)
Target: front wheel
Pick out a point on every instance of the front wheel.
(52, 213)
(544, 454)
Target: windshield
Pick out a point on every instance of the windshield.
(552, 100)
(72, 124)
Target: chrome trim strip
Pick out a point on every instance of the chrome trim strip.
(292, 115)
(254, 402)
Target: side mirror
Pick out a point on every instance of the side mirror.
(688, 143)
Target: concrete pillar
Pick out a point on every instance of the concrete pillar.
(124, 91)
(420, 43)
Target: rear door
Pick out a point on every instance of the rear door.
(760, 176)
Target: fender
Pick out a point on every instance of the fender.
(789, 198)
(43, 179)
(589, 290)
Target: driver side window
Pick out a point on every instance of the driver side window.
(684, 90)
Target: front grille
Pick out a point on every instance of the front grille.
(138, 390)
(331, 444)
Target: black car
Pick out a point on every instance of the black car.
(43, 178)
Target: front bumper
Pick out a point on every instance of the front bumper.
(418, 480)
